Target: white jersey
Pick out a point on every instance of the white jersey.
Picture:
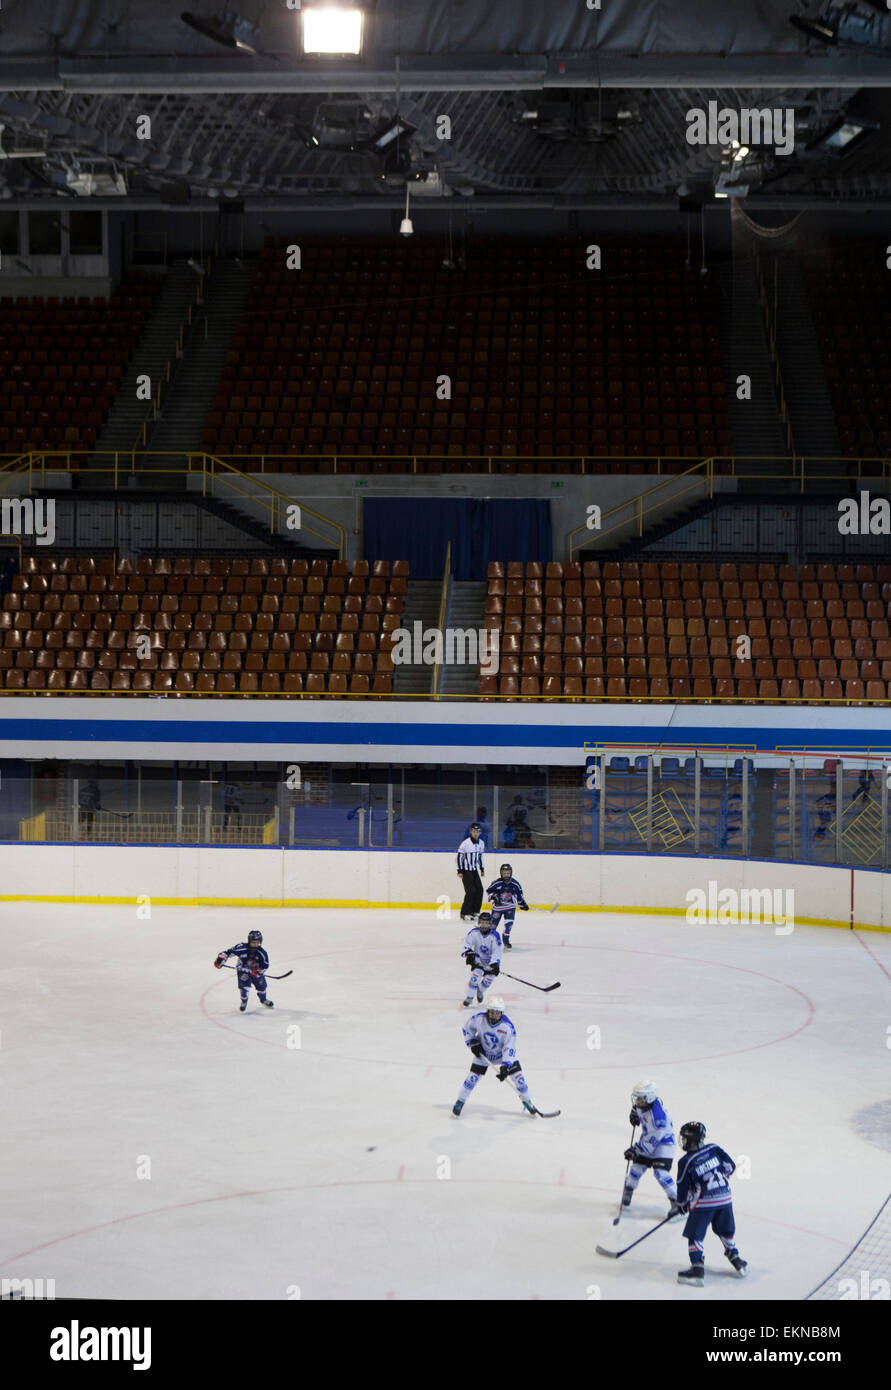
(487, 949)
(499, 1040)
(656, 1137)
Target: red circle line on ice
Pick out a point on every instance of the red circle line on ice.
(663, 1062)
(363, 1182)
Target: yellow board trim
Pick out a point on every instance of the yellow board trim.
(98, 901)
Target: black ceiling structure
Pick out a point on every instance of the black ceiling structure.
(544, 106)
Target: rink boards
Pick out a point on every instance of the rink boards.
(139, 879)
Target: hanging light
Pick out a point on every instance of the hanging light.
(405, 226)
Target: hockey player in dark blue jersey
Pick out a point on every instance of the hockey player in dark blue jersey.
(704, 1193)
(253, 962)
(505, 895)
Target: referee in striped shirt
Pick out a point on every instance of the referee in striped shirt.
(470, 871)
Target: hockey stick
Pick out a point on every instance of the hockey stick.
(627, 1171)
(614, 1254)
(545, 989)
(269, 977)
(546, 1114)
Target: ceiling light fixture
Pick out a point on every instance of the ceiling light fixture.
(332, 29)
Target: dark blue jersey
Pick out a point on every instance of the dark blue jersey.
(248, 956)
(702, 1178)
(505, 894)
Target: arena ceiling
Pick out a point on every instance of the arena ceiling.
(549, 104)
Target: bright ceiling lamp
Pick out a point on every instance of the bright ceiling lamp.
(332, 29)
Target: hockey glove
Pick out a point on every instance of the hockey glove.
(634, 1117)
(493, 969)
(501, 1073)
(477, 1049)
(470, 959)
(524, 907)
(219, 962)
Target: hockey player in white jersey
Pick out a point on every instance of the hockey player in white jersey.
(492, 1039)
(655, 1147)
(482, 952)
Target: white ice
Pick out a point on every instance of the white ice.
(336, 1169)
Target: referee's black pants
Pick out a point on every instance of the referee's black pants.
(473, 892)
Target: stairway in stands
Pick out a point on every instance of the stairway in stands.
(422, 602)
(466, 609)
(756, 424)
(801, 362)
(197, 376)
(154, 350)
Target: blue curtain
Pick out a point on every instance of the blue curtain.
(480, 530)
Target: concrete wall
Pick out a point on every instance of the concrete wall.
(340, 499)
(633, 884)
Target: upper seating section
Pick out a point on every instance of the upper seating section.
(241, 626)
(851, 304)
(670, 631)
(61, 362)
(548, 360)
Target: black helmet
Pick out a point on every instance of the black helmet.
(484, 921)
(506, 868)
(692, 1136)
(255, 938)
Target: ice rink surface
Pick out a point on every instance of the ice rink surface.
(334, 1169)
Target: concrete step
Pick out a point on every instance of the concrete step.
(756, 425)
(801, 362)
(466, 610)
(198, 375)
(422, 601)
(150, 357)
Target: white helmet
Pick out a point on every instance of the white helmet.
(495, 1004)
(644, 1093)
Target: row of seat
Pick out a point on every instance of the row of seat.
(668, 571)
(86, 623)
(651, 630)
(26, 591)
(342, 344)
(235, 567)
(50, 350)
(559, 687)
(204, 682)
(852, 318)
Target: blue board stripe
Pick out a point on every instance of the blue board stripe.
(765, 739)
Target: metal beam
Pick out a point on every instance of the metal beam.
(423, 72)
(443, 207)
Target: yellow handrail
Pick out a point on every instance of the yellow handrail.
(281, 499)
(443, 601)
(249, 485)
(155, 695)
(648, 493)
